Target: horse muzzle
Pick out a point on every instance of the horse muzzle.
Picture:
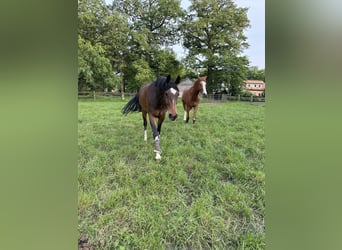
(172, 117)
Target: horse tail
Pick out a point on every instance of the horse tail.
(132, 106)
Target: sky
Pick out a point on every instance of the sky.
(255, 34)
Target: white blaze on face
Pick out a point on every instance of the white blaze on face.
(203, 83)
(173, 91)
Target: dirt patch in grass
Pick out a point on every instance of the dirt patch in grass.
(83, 244)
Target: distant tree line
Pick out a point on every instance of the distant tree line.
(127, 43)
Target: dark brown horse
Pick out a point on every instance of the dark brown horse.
(155, 99)
(191, 97)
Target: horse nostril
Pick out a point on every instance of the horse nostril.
(172, 117)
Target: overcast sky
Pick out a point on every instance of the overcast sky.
(255, 34)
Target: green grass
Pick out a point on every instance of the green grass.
(207, 192)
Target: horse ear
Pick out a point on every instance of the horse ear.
(178, 80)
(168, 78)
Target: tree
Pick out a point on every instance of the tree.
(94, 69)
(132, 36)
(164, 63)
(92, 20)
(256, 74)
(213, 34)
(137, 73)
(105, 33)
(230, 78)
(156, 22)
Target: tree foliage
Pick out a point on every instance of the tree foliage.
(256, 74)
(128, 39)
(157, 20)
(213, 33)
(94, 69)
(127, 43)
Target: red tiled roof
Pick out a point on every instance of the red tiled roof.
(254, 81)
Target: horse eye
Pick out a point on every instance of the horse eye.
(165, 93)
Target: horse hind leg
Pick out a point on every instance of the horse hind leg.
(145, 125)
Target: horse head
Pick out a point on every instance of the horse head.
(202, 84)
(171, 96)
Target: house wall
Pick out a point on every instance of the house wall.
(187, 83)
(255, 87)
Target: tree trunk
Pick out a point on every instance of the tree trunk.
(209, 79)
(122, 87)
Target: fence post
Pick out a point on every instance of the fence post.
(251, 98)
(238, 97)
(94, 95)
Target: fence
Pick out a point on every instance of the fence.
(209, 98)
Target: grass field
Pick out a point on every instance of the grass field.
(207, 192)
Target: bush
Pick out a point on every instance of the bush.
(246, 94)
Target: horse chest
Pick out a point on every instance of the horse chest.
(195, 100)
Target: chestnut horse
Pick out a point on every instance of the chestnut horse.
(191, 97)
(155, 99)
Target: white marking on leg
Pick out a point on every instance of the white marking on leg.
(145, 135)
(158, 157)
(184, 115)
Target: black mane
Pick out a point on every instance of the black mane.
(160, 82)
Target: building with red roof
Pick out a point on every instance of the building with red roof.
(256, 87)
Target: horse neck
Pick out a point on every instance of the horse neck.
(195, 90)
(161, 99)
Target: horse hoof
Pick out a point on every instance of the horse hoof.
(158, 157)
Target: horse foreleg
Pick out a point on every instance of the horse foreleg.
(195, 112)
(155, 136)
(160, 122)
(145, 125)
(186, 114)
